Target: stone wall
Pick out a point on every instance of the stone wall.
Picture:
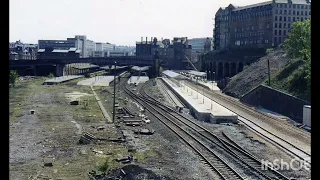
(276, 101)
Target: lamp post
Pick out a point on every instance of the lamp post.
(114, 92)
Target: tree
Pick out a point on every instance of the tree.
(298, 41)
(298, 44)
(13, 76)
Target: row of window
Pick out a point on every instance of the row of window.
(280, 25)
(252, 15)
(294, 6)
(246, 42)
(280, 33)
(293, 12)
(248, 34)
(252, 27)
(278, 39)
(289, 18)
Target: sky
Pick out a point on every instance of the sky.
(121, 22)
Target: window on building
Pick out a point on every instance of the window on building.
(279, 25)
(301, 19)
(285, 11)
(268, 25)
(289, 12)
(298, 6)
(280, 5)
(279, 32)
(275, 40)
(280, 39)
(280, 18)
(298, 13)
(294, 12)
(284, 25)
(277, 11)
(276, 18)
(275, 25)
(252, 27)
(284, 32)
(289, 5)
(289, 25)
(309, 13)
(275, 32)
(293, 19)
(298, 18)
(285, 5)
(280, 11)
(289, 18)
(294, 6)
(305, 13)
(284, 18)
(266, 41)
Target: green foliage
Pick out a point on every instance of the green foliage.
(298, 41)
(269, 50)
(51, 75)
(13, 76)
(298, 44)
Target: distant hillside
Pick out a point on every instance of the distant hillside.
(257, 73)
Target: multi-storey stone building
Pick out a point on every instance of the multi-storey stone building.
(261, 25)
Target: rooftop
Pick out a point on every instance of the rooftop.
(254, 5)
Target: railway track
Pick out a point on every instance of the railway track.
(163, 86)
(206, 154)
(204, 145)
(239, 153)
(264, 133)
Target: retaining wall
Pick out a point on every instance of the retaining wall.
(276, 101)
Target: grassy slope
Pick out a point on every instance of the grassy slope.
(256, 73)
(290, 80)
(285, 76)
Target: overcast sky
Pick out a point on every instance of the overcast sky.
(122, 22)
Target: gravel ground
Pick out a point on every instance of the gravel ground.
(172, 158)
(254, 144)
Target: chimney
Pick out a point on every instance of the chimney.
(146, 40)
(162, 39)
(141, 40)
(151, 39)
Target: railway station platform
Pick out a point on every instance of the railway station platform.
(97, 81)
(138, 79)
(202, 107)
(61, 79)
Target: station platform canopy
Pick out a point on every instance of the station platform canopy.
(137, 68)
(173, 74)
(197, 73)
(112, 67)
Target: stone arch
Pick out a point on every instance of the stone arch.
(240, 67)
(220, 70)
(226, 69)
(233, 68)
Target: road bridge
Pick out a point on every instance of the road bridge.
(60, 64)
